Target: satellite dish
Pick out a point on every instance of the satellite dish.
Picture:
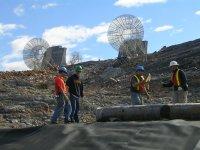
(125, 34)
(33, 52)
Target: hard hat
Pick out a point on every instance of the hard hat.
(63, 70)
(78, 68)
(173, 63)
(139, 68)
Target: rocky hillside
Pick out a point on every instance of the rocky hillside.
(26, 97)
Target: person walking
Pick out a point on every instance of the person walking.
(76, 92)
(178, 82)
(61, 92)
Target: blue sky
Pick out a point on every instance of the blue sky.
(81, 25)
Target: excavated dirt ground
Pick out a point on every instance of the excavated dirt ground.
(26, 97)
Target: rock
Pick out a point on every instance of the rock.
(14, 109)
(1, 118)
(25, 98)
(14, 121)
(23, 125)
(114, 80)
(111, 72)
(3, 89)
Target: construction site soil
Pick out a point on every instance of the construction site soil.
(26, 98)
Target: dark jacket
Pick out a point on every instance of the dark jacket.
(75, 85)
(182, 79)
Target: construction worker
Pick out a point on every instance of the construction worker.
(138, 86)
(61, 92)
(76, 91)
(179, 83)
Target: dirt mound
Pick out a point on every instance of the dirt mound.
(26, 98)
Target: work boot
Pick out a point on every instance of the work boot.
(54, 122)
(77, 120)
(72, 120)
(66, 121)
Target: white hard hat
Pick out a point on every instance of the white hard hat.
(173, 63)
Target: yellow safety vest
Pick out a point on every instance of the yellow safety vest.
(138, 80)
(177, 80)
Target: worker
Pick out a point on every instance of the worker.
(76, 92)
(178, 82)
(138, 86)
(61, 93)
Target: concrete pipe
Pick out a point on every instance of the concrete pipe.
(190, 111)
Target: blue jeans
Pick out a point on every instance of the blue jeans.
(61, 104)
(75, 107)
(136, 98)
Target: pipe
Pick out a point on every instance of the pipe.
(187, 111)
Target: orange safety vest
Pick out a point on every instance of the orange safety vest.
(175, 78)
(140, 87)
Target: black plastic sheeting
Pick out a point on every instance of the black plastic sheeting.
(169, 135)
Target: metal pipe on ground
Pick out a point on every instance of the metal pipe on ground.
(187, 111)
